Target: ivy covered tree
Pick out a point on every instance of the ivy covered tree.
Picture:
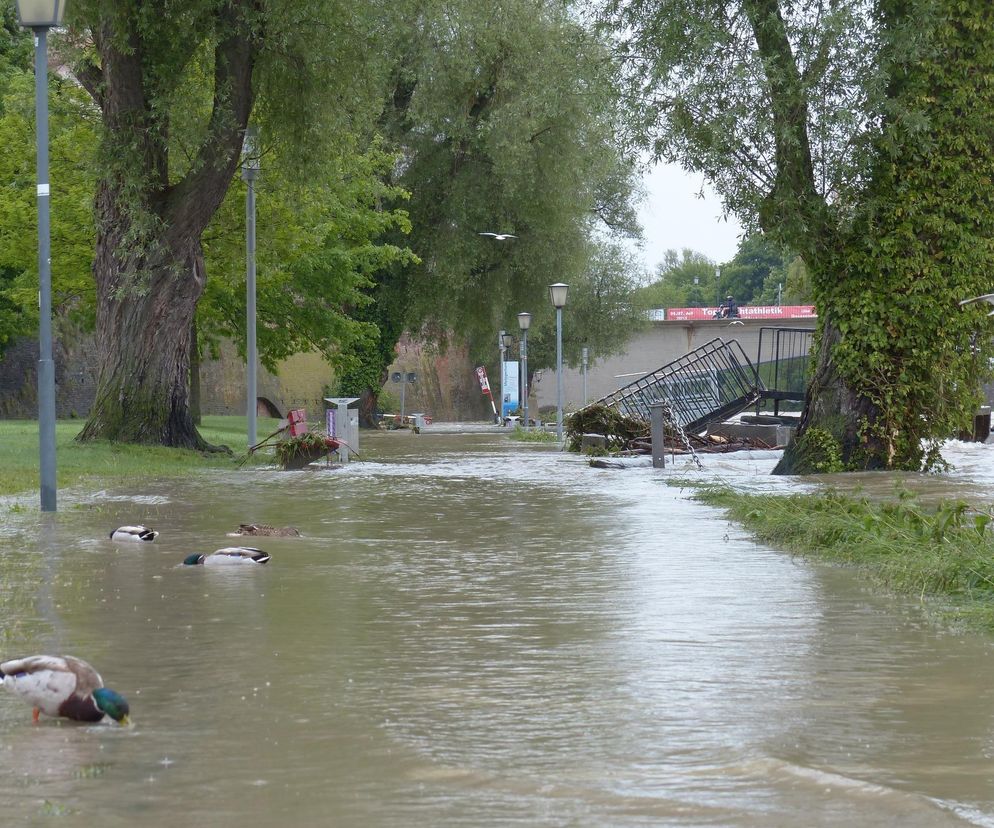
(859, 135)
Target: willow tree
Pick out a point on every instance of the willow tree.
(506, 118)
(858, 134)
(175, 85)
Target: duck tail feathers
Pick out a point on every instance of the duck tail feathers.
(261, 558)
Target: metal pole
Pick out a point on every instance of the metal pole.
(585, 354)
(46, 367)
(503, 377)
(524, 378)
(250, 170)
(252, 396)
(403, 386)
(559, 374)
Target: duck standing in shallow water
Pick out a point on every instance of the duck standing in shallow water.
(63, 686)
(133, 533)
(229, 556)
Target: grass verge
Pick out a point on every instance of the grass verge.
(536, 434)
(78, 463)
(945, 554)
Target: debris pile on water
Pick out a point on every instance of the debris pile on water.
(626, 435)
(618, 429)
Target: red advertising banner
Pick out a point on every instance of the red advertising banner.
(481, 375)
(745, 312)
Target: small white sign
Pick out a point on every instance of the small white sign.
(42, 190)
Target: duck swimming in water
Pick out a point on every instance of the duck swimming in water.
(63, 686)
(265, 530)
(133, 533)
(229, 556)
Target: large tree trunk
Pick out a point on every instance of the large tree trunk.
(828, 438)
(143, 342)
(149, 266)
(194, 375)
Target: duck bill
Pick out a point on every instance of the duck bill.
(125, 721)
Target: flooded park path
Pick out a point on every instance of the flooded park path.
(476, 632)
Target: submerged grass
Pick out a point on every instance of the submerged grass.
(536, 434)
(945, 554)
(78, 463)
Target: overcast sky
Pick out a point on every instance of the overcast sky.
(674, 217)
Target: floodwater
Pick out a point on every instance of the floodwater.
(474, 632)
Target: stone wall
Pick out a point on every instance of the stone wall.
(446, 387)
(75, 376)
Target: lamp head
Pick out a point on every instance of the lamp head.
(557, 293)
(40, 14)
(506, 339)
(524, 320)
(250, 153)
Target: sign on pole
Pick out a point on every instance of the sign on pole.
(481, 375)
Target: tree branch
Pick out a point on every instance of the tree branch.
(193, 200)
(794, 200)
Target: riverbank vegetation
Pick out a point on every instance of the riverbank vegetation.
(115, 462)
(943, 555)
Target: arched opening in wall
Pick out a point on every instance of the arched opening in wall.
(266, 408)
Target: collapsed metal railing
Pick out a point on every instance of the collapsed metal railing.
(707, 385)
(784, 364)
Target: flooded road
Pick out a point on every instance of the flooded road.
(474, 632)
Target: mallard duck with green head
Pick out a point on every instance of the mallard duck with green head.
(63, 686)
(133, 533)
(229, 556)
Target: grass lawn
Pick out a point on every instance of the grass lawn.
(109, 462)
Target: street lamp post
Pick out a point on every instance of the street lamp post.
(500, 350)
(250, 171)
(506, 341)
(524, 322)
(557, 293)
(583, 357)
(40, 16)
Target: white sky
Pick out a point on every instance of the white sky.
(673, 217)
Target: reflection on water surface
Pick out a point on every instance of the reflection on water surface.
(476, 632)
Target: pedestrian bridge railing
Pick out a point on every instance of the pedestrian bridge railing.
(707, 385)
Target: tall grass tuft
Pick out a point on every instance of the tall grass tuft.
(944, 553)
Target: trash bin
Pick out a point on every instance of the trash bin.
(343, 424)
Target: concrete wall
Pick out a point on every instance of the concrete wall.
(661, 343)
(300, 382)
(75, 376)
(446, 388)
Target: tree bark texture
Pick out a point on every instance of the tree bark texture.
(149, 266)
(833, 411)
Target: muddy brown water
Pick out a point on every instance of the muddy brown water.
(474, 632)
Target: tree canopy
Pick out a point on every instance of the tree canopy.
(857, 134)
(394, 134)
